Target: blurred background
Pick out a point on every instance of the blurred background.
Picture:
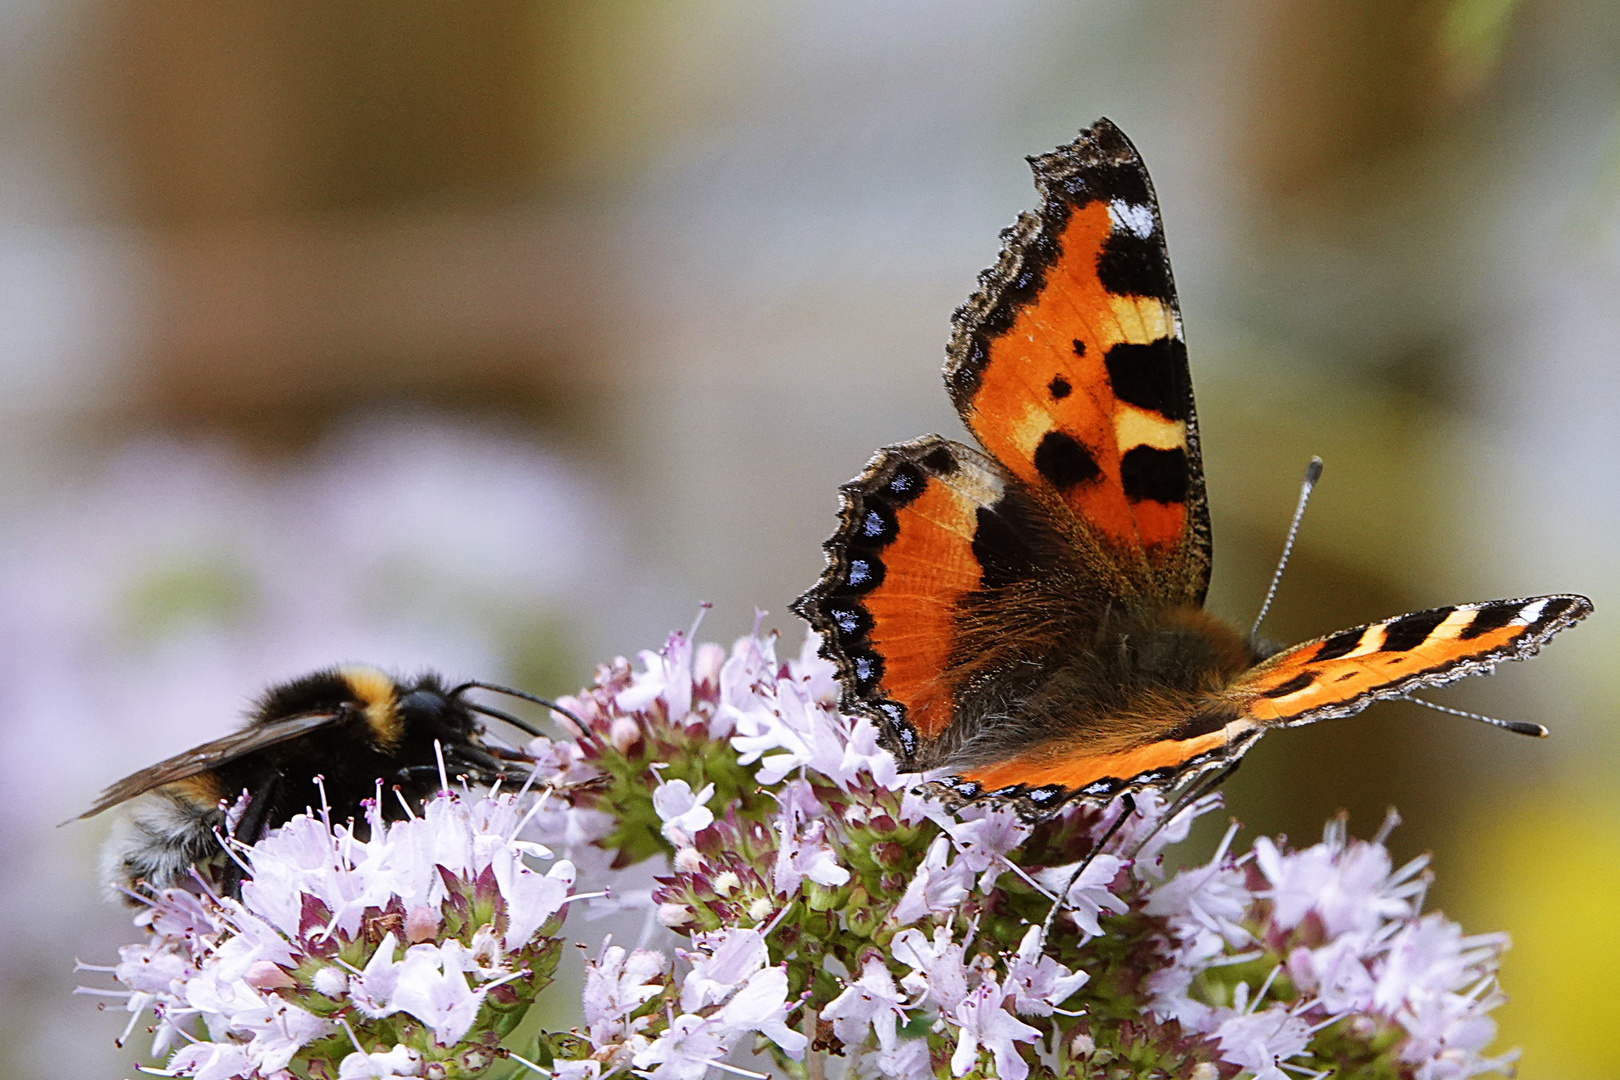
(496, 337)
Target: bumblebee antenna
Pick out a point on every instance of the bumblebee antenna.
(510, 692)
(1313, 473)
(1518, 727)
(521, 725)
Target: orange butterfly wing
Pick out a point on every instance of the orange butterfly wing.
(1069, 367)
(904, 557)
(1333, 676)
(1345, 672)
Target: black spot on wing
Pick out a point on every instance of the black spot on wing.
(1150, 473)
(1151, 376)
(1292, 686)
(1492, 617)
(1201, 724)
(1079, 347)
(867, 668)
(1339, 644)
(1132, 265)
(1410, 631)
(865, 573)
(1001, 547)
(1063, 462)
(1045, 796)
(940, 461)
(1059, 387)
(850, 621)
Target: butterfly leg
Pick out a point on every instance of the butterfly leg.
(1127, 810)
(1196, 791)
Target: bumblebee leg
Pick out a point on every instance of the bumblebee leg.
(250, 828)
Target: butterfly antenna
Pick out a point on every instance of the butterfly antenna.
(1313, 473)
(1518, 727)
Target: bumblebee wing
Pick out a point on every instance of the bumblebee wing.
(207, 756)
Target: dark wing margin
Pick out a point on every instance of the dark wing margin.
(1069, 366)
(207, 756)
(906, 551)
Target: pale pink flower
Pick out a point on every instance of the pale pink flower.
(400, 1061)
(1038, 984)
(1261, 1041)
(617, 983)
(431, 986)
(939, 885)
(871, 1002)
(685, 1050)
(984, 1023)
(728, 957)
(805, 856)
(938, 972)
(761, 1004)
(984, 836)
(682, 810)
(1089, 896)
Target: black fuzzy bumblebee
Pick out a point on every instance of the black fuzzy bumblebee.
(352, 726)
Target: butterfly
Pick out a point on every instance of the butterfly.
(1025, 617)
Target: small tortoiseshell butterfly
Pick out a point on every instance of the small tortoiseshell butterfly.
(1027, 618)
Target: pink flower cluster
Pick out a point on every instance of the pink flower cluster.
(1343, 931)
(813, 904)
(396, 954)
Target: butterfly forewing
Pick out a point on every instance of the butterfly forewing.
(1069, 366)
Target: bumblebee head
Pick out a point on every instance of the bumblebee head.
(426, 706)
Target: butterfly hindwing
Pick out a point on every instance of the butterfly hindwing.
(1345, 672)
(1069, 367)
(901, 562)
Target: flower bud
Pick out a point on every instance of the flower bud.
(421, 924)
(332, 982)
(264, 975)
(624, 733)
(673, 915)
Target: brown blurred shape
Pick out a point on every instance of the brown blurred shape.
(339, 199)
(1341, 88)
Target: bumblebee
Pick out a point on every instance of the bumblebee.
(351, 726)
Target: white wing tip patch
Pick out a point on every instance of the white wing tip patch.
(1135, 218)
